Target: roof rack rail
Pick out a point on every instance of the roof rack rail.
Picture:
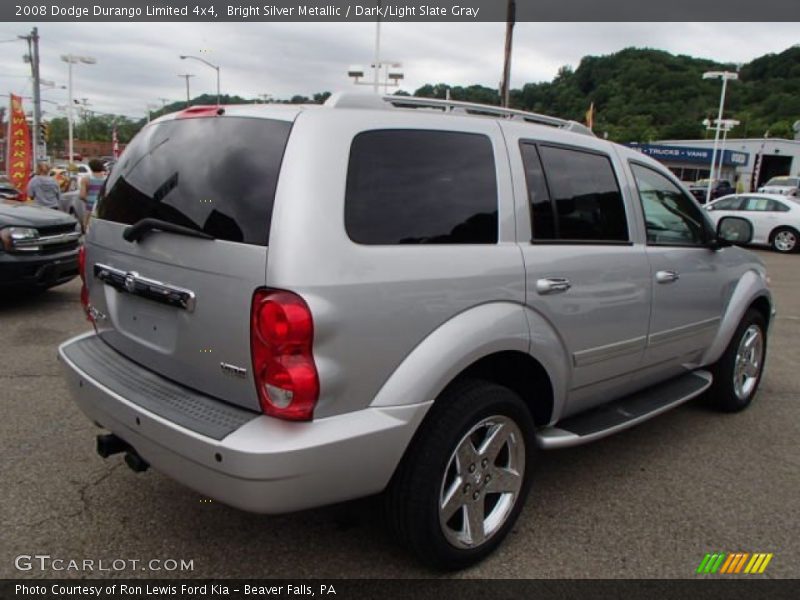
(372, 101)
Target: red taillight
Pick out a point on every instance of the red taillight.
(82, 263)
(84, 289)
(281, 336)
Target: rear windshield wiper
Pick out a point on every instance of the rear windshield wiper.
(135, 232)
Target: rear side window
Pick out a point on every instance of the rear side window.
(421, 187)
(217, 175)
(585, 200)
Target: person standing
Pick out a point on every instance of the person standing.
(90, 188)
(43, 189)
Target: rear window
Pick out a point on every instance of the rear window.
(217, 175)
(421, 187)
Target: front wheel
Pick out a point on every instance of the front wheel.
(737, 373)
(784, 240)
(464, 479)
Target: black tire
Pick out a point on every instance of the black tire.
(785, 240)
(413, 496)
(722, 395)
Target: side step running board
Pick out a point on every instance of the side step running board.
(624, 413)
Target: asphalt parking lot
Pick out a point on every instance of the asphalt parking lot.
(649, 502)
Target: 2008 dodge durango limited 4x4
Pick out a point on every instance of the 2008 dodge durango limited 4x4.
(298, 306)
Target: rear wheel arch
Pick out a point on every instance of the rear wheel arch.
(521, 373)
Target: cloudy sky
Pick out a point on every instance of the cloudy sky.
(138, 63)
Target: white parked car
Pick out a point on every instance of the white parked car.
(775, 217)
(787, 186)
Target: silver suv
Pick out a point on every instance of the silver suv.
(296, 306)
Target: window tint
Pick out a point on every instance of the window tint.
(588, 204)
(543, 220)
(217, 175)
(732, 203)
(421, 187)
(671, 217)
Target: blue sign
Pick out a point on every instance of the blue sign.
(687, 154)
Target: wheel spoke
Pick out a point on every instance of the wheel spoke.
(466, 455)
(503, 480)
(750, 339)
(473, 524)
(453, 500)
(494, 442)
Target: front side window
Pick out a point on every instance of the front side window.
(585, 203)
(671, 217)
(421, 187)
(732, 203)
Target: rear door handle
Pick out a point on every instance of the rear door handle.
(667, 276)
(552, 285)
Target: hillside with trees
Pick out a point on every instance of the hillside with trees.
(643, 94)
(638, 95)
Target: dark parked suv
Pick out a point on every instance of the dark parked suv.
(720, 188)
(38, 246)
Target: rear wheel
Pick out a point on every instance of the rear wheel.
(784, 240)
(738, 372)
(465, 477)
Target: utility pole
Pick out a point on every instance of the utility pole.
(186, 76)
(33, 58)
(511, 18)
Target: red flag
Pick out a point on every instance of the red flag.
(18, 155)
(114, 143)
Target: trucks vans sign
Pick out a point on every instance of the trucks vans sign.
(687, 154)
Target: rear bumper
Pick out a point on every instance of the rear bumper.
(20, 270)
(264, 465)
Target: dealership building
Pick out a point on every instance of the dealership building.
(748, 163)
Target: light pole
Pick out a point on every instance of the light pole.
(725, 76)
(394, 74)
(186, 76)
(727, 125)
(205, 62)
(377, 66)
(72, 59)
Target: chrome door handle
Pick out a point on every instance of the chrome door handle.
(552, 285)
(667, 276)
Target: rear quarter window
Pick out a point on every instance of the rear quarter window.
(421, 187)
(217, 175)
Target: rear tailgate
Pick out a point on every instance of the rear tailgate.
(176, 304)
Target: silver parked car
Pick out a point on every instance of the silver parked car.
(399, 295)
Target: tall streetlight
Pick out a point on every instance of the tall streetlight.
(725, 76)
(72, 59)
(205, 62)
(186, 76)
